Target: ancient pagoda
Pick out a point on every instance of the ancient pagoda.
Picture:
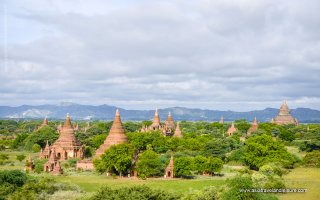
(66, 146)
(254, 127)
(116, 135)
(156, 124)
(177, 132)
(167, 129)
(44, 123)
(169, 170)
(284, 116)
(231, 129)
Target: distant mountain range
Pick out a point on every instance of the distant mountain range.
(106, 112)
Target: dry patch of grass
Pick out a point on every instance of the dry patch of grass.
(305, 178)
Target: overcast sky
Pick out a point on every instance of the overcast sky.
(228, 55)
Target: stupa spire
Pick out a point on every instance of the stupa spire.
(177, 132)
(68, 121)
(116, 135)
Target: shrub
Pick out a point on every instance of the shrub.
(140, 192)
(312, 159)
(38, 167)
(13, 177)
(21, 157)
(36, 148)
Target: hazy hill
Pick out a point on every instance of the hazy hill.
(106, 112)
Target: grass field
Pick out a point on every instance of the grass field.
(13, 159)
(305, 178)
(92, 182)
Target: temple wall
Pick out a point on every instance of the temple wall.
(85, 165)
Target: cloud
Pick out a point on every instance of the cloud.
(237, 55)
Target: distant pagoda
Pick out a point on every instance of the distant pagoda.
(177, 132)
(167, 129)
(231, 129)
(254, 127)
(44, 123)
(116, 135)
(284, 116)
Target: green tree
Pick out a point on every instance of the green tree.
(149, 164)
(118, 158)
(182, 166)
(216, 148)
(19, 141)
(199, 164)
(213, 165)
(260, 150)
(41, 137)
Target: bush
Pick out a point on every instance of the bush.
(210, 193)
(13, 177)
(312, 159)
(140, 192)
(21, 157)
(38, 167)
(36, 148)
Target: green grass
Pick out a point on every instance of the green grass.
(305, 178)
(92, 182)
(13, 159)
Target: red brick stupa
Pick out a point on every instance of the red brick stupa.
(254, 127)
(169, 170)
(116, 135)
(284, 116)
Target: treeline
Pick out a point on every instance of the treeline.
(204, 142)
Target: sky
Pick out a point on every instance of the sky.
(227, 55)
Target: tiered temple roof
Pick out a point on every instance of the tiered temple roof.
(67, 139)
(231, 129)
(156, 124)
(284, 116)
(254, 127)
(116, 135)
(169, 122)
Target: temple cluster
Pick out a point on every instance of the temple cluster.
(168, 129)
(68, 147)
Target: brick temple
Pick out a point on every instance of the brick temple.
(64, 148)
(167, 129)
(116, 135)
(284, 116)
(254, 126)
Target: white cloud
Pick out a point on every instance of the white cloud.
(209, 54)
